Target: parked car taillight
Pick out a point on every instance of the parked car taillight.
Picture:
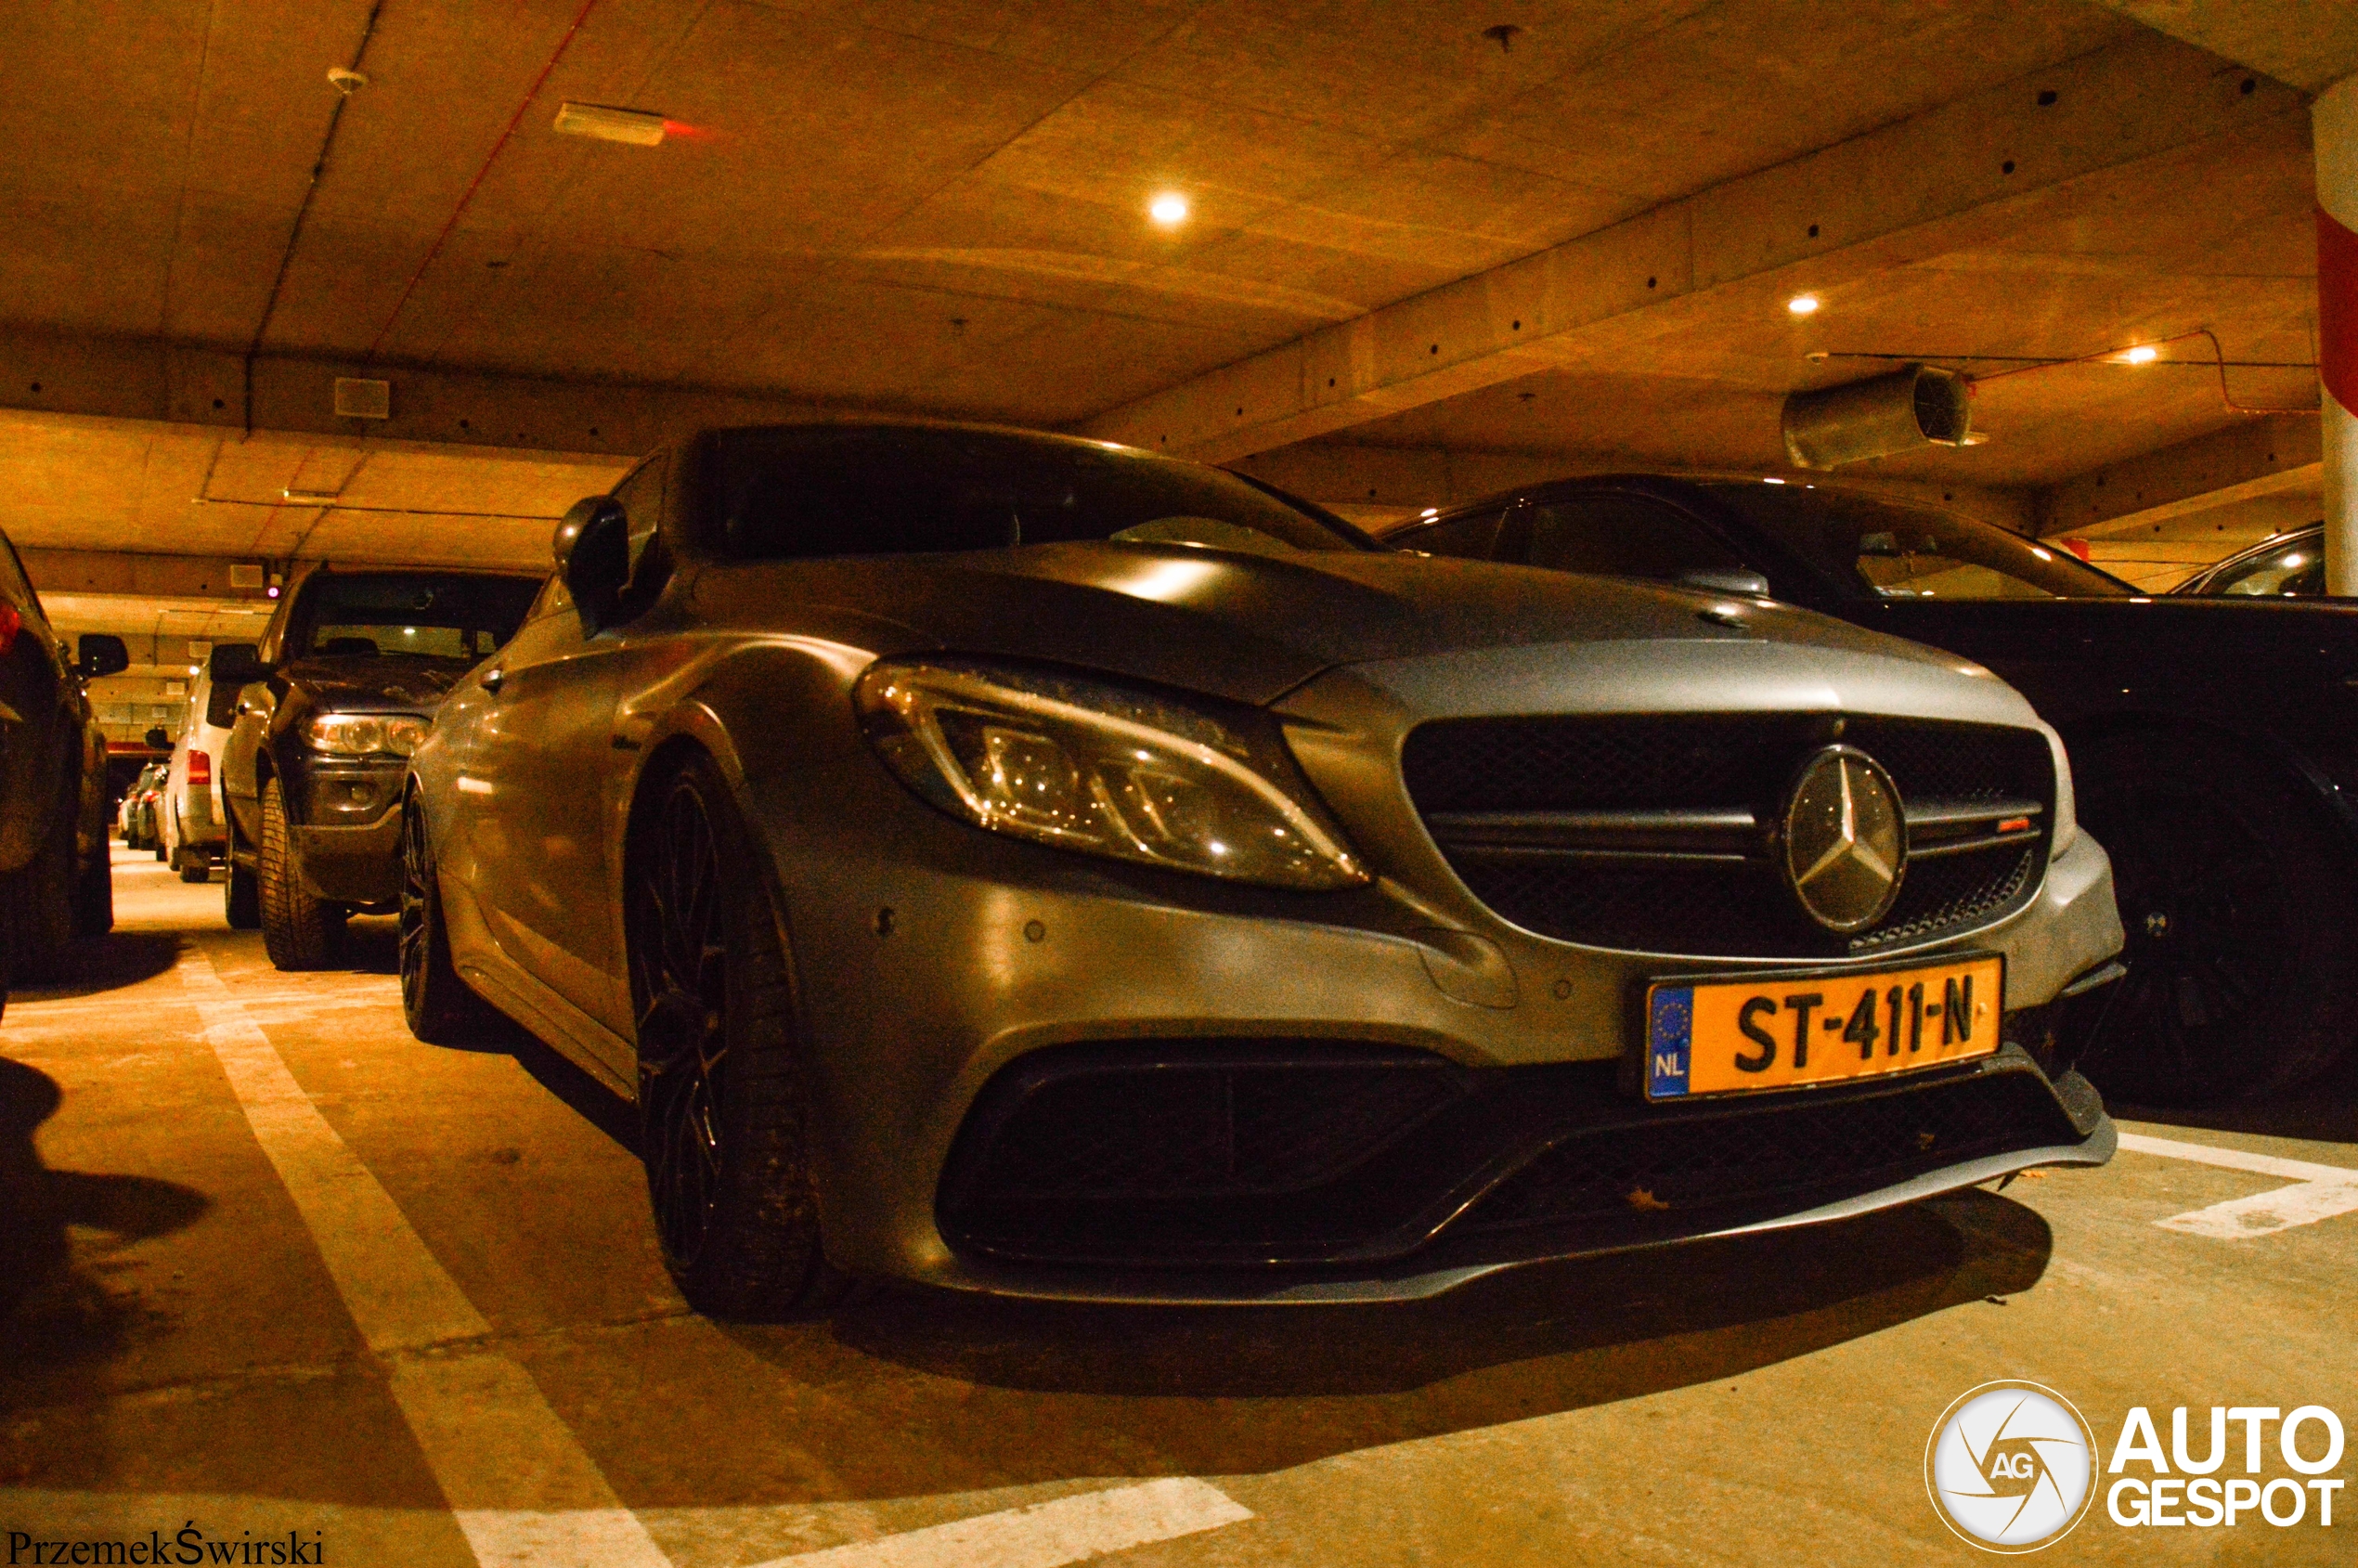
(200, 766)
(11, 622)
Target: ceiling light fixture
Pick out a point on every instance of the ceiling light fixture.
(634, 127)
(1803, 304)
(312, 497)
(1170, 209)
(2144, 354)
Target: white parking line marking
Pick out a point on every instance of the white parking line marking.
(1045, 1535)
(518, 1481)
(2323, 1191)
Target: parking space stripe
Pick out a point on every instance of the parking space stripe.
(2238, 1160)
(524, 1491)
(1045, 1535)
(2320, 1192)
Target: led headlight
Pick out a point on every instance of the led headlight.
(1105, 770)
(367, 734)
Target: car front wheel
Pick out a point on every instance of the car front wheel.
(299, 931)
(2242, 934)
(724, 1123)
(436, 1003)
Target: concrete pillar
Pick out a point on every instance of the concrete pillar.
(2335, 117)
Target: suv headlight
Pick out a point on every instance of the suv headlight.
(1103, 770)
(367, 734)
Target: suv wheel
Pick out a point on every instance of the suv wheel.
(42, 931)
(723, 1117)
(299, 930)
(93, 893)
(2242, 932)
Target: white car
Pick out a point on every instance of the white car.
(191, 818)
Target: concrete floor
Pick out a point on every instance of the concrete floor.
(268, 1265)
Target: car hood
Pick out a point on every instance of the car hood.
(1250, 628)
(375, 684)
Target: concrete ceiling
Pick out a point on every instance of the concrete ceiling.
(939, 206)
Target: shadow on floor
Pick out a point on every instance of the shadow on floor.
(1081, 1391)
(104, 964)
(55, 1311)
(584, 1095)
(2324, 1110)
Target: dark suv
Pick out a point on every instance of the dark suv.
(342, 687)
(55, 882)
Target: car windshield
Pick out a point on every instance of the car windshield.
(799, 492)
(1912, 552)
(413, 614)
(2294, 569)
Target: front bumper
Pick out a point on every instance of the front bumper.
(927, 969)
(348, 844)
(356, 865)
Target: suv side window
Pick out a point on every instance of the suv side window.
(1471, 537)
(1614, 533)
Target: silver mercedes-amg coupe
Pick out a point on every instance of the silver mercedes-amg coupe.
(1031, 865)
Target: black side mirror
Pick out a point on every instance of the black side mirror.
(1750, 585)
(100, 653)
(592, 548)
(234, 664)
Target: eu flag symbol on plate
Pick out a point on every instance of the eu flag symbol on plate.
(1670, 1023)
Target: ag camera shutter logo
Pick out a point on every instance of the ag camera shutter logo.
(2011, 1466)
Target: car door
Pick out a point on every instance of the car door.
(540, 766)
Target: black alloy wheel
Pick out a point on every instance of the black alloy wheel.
(2239, 928)
(722, 1115)
(438, 1007)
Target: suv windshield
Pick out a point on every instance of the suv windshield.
(415, 614)
(798, 492)
(1912, 552)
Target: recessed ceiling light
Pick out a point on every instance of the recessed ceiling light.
(635, 126)
(2144, 354)
(1803, 304)
(1170, 209)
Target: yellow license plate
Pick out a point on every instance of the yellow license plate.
(1752, 1032)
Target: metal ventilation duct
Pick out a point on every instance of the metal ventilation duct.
(1907, 410)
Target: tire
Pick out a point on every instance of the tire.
(94, 894)
(194, 867)
(724, 1119)
(299, 930)
(43, 894)
(436, 1003)
(2242, 930)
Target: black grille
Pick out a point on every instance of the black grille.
(1131, 1132)
(1722, 762)
(1767, 1155)
(1317, 1152)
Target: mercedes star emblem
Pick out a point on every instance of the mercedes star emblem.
(1846, 846)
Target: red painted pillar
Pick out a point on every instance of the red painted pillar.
(2335, 120)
